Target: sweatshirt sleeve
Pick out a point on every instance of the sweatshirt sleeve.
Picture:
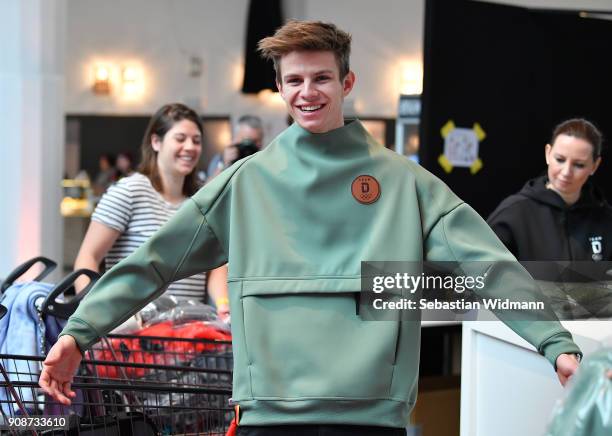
(184, 246)
(461, 235)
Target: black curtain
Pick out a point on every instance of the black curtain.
(265, 16)
(517, 73)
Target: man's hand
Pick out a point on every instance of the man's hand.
(567, 364)
(59, 368)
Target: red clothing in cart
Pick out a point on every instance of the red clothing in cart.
(145, 348)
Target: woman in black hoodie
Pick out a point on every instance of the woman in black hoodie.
(561, 216)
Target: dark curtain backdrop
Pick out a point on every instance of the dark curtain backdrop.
(517, 73)
(265, 16)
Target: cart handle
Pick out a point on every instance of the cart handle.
(25, 267)
(63, 309)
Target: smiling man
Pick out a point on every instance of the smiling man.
(294, 222)
(311, 61)
(313, 89)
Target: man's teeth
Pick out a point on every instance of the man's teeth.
(311, 108)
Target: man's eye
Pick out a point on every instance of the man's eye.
(579, 165)
(322, 78)
(560, 160)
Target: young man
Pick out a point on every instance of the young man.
(294, 222)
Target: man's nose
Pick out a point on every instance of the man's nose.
(309, 90)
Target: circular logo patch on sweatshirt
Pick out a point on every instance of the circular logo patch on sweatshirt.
(365, 189)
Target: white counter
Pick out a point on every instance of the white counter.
(507, 388)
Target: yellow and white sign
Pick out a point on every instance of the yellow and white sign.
(461, 146)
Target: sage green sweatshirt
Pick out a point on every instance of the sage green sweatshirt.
(294, 235)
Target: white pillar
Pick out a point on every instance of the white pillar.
(32, 45)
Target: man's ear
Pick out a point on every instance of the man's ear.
(347, 83)
(279, 86)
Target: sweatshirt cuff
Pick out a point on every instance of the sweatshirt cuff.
(83, 333)
(561, 343)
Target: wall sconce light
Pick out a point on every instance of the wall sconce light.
(131, 81)
(124, 82)
(411, 78)
(101, 84)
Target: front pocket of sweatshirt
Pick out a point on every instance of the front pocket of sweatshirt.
(314, 345)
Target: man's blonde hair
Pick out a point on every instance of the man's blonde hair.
(307, 36)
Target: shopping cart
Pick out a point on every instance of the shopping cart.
(126, 385)
(151, 390)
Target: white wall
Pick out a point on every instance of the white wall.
(161, 36)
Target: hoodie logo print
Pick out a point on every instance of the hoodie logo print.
(596, 247)
(365, 189)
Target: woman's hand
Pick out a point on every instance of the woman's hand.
(223, 309)
(217, 289)
(59, 368)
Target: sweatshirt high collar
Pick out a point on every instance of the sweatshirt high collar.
(343, 141)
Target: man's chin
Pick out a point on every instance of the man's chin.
(312, 127)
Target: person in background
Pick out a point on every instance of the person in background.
(106, 174)
(136, 206)
(562, 215)
(124, 165)
(249, 135)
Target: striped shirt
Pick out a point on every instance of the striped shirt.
(133, 207)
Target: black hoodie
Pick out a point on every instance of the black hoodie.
(536, 224)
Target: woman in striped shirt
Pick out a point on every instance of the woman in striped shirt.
(138, 205)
